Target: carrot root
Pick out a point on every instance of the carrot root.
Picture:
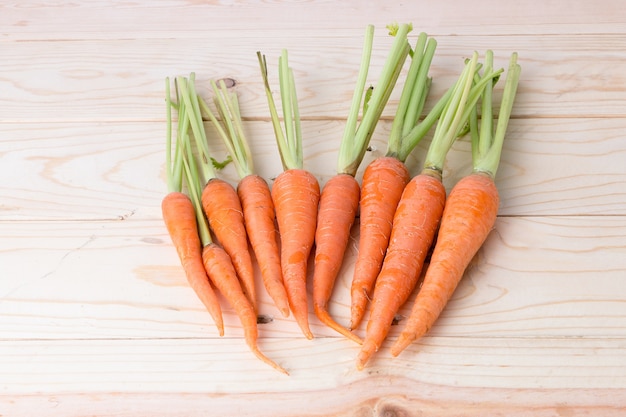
(296, 196)
(414, 227)
(180, 219)
(381, 189)
(223, 210)
(220, 270)
(259, 219)
(468, 218)
(339, 202)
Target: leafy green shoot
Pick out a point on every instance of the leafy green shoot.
(405, 129)
(456, 112)
(289, 141)
(487, 142)
(230, 129)
(183, 169)
(356, 139)
(189, 98)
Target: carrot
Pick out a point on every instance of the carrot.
(469, 216)
(339, 200)
(219, 199)
(418, 214)
(384, 179)
(254, 194)
(217, 263)
(219, 266)
(295, 194)
(180, 219)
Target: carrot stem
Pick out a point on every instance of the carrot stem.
(356, 138)
(412, 101)
(290, 140)
(464, 95)
(357, 97)
(488, 143)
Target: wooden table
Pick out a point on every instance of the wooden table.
(96, 317)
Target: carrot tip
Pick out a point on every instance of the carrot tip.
(402, 343)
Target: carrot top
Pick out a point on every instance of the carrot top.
(231, 127)
(185, 165)
(290, 140)
(356, 138)
(487, 141)
(406, 132)
(457, 109)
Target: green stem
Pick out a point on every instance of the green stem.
(488, 161)
(406, 132)
(192, 110)
(353, 146)
(289, 158)
(230, 130)
(357, 98)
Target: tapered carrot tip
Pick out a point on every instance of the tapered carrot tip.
(403, 341)
(324, 316)
(268, 361)
(367, 351)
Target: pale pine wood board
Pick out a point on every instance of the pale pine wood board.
(276, 19)
(123, 80)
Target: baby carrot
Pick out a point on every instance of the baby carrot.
(219, 266)
(384, 179)
(418, 214)
(295, 194)
(180, 219)
(217, 263)
(339, 200)
(253, 191)
(219, 199)
(469, 216)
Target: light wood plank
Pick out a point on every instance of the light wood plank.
(122, 80)
(444, 376)
(116, 170)
(177, 18)
(535, 277)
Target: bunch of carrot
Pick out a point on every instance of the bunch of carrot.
(209, 204)
(401, 218)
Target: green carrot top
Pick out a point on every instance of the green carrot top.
(459, 104)
(184, 169)
(487, 141)
(230, 129)
(356, 138)
(290, 140)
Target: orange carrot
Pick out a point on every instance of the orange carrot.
(179, 217)
(414, 225)
(223, 210)
(385, 178)
(381, 189)
(254, 194)
(469, 216)
(222, 273)
(259, 214)
(217, 263)
(418, 214)
(339, 200)
(295, 194)
(219, 199)
(338, 206)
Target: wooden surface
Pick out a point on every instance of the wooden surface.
(96, 317)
